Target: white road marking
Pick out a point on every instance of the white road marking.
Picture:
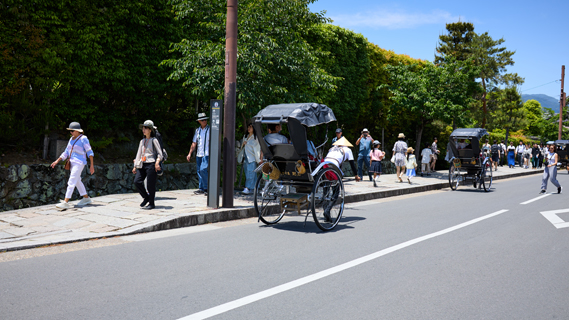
(535, 199)
(319, 275)
(554, 219)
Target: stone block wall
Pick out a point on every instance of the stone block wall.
(23, 186)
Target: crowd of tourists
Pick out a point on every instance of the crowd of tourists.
(151, 154)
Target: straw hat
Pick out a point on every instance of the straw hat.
(401, 136)
(343, 142)
(202, 116)
(410, 150)
(75, 126)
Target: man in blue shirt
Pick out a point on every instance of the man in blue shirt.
(364, 142)
(338, 135)
(201, 143)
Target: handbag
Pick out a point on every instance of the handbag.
(393, 159)
(67, 163)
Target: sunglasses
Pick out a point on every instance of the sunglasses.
(71, 131)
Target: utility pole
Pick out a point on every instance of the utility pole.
(230, 104)
(561, 102)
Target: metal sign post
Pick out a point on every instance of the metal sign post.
(215, 116)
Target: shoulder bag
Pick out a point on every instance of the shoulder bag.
(67, 163)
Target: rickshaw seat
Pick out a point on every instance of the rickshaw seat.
(465, 153)
(285, 152)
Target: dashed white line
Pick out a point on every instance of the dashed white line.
(535, 199)
(319, 275)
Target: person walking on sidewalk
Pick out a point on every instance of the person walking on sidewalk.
(535, 152)
(426, 160)
(146, 164)
(201, 142)
(502, 153)
(511, 155)
(77, 150)
(435, 151)
(520, 154)
(399, 150)
(550, 171)
(411, 164)
(496, 151)
(376, 155)
(250, 155)
(364, 142)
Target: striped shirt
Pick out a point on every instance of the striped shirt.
(81, 151)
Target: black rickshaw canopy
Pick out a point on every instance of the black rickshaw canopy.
(469, 133)
(308, 114)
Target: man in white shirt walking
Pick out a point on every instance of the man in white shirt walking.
(520, 154)
(201, 142)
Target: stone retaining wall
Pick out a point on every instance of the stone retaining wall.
(24, 186)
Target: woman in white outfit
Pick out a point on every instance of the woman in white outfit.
(78, 149)
(399, 152)
(550, 171)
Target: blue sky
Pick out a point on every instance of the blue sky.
(536, 30)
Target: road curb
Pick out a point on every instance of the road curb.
(220, 215)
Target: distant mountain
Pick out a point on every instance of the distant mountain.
(545, 101)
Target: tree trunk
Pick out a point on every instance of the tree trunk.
(484, 111)
(419, 135)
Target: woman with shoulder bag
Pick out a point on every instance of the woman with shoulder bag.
(147, 164)
(250, 155)
(550, 171)
(76, 152)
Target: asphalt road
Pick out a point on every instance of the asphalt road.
(447, 254)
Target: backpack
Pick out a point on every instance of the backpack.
(495, 149)
(164, 153)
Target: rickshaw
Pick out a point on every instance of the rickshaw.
(469, 163)
(562, 155)
(289, 182)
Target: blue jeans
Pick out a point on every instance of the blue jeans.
(361, 161)
(202, 164)
(250, 174)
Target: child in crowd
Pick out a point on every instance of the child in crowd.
(426, 159)
(375, 156)
(411, 164)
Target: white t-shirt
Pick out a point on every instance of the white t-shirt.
(340, 154)
(426, 155)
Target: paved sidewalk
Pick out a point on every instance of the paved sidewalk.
(120, 214)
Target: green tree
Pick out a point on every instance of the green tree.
(534, 117)
(274, 64)
(510, 113)
(492, 58)
(456, 43)
(431, 93)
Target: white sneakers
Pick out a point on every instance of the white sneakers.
(246, 191)
(63, 205)
(84, 202)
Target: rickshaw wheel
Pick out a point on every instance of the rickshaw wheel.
(453, 177)
(487, 177)
(327, 199)
(267, 200)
